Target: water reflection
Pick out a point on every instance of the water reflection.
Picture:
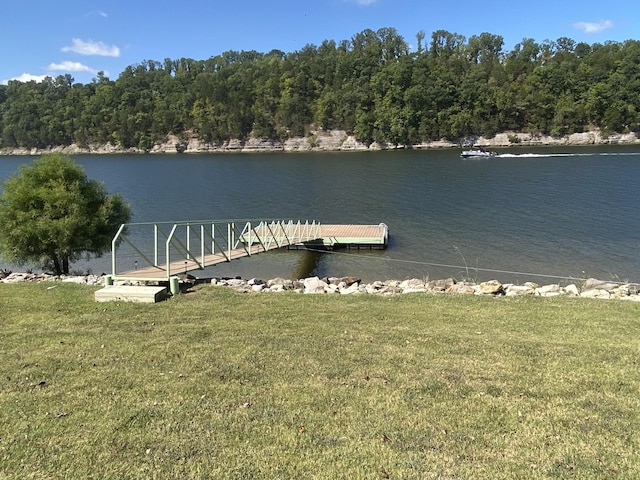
(307, 265)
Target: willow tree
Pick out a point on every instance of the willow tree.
(52, 215)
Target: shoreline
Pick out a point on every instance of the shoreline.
(588, 288)
(335, 141)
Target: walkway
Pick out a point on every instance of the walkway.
(181, 247)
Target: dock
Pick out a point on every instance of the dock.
(182, 247)
(349, 236)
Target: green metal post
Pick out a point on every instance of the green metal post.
(174, 285)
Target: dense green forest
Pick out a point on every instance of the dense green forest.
(373, 86)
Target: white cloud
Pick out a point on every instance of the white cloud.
(66, 67)
(99, 13)
(92, 48)
(70, 67)
(593, 27)
(25, 77)
(366, 2)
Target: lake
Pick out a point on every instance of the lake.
(546, 215)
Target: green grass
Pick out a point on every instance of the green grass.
(215, 384)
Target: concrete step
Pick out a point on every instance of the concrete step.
(129, 293)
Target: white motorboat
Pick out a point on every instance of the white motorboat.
(477, 153)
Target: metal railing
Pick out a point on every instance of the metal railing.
(191, 245)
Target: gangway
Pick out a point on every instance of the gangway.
(180, 247)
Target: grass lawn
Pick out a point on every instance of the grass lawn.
(216, 384)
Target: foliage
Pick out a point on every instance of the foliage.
(304, 386)
(51, 215)
(371, 85)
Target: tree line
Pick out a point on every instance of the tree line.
(373, 86)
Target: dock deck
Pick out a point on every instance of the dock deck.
(350, 236)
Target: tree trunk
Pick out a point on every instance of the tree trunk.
(57, 270)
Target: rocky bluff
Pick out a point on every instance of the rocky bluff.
(336, 140)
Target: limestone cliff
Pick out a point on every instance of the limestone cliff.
(339, 140)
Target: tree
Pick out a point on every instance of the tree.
(371, 86)
(52, 215)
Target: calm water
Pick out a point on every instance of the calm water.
(551, 212)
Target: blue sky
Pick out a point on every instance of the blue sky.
(82, 37)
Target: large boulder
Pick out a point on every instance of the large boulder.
(350, 289)
(461, 288)
(595, 284)
(516, 290)
(491, 287)
(281, 283)
(596, 293)
(551, 290)
(413, 285)
(348, 281)
(314, 285)
(572, 290)
(441, 285)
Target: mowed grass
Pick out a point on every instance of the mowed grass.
(216, 384)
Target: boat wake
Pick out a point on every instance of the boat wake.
(549, 155)
(542, 155)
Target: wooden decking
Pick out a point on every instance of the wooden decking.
(184, 266)
(351, 236)
(263, 239)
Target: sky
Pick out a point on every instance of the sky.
(41, 38)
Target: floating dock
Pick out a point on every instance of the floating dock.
(349, 236)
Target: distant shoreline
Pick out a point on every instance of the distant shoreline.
(334, 141)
